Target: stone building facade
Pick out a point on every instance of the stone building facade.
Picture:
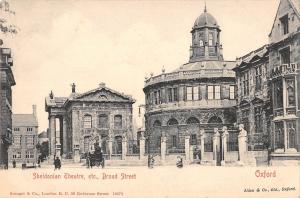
(253, 102)
(24, 138)
(6, 82)
(197, 96)
(77, 122)
(284, 60)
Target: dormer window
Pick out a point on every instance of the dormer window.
(285, 24)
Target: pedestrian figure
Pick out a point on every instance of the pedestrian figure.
(14, 163)
(150, 161)
(179, 162)
(57, 163)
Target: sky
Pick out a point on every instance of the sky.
(118, 42)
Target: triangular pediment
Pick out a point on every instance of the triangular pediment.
(103, 94)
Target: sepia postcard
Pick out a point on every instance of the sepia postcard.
(142, 98)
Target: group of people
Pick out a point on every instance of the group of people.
(151, 160)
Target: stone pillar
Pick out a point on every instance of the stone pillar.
(191, 157)
(57, 141)
(124, 147)
(202, 136)
(242, 143)
(216, 145)
(52, 129)
(163, 148)
(187, 147)
(65, 138)
(142, 147)
(76, 153)
(285, 136)
(224, 145)
(110, 147)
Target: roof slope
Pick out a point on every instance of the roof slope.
(24, 120)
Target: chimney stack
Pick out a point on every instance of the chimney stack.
(34, 110)
(73, 88)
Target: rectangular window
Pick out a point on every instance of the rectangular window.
(174, 141)
(210, 92)
(193, 139)
(258, 119)
(285, 56)
(29, 155)
(258, 79)
(217, 92)
(210, 39)
(29, 140)
(175, 92)
(189, 93)
(18, 155)
(29, 129)
(231, 92)
(196, 93)
(245, 83)
(16, 129)
(87, 122)
(103, 121)
(118, 122)
(285, 24)
(17, 140)
(170, 98)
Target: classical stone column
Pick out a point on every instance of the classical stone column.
(124, 147)
(187, 147)
(142, 147)
(202, 136)
(242, 143)
(163, 148)
(65, 137)
(57, 141)
(216, 145)
(52, 129)
(224, 145)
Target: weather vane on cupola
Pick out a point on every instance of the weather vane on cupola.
(205, 6)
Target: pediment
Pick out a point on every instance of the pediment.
(103, 95)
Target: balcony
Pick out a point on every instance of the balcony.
(285, 69)
(185, 75)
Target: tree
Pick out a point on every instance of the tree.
(6, 25)
(44, 149)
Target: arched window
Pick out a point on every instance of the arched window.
(172, 121)
(118, 122)
(210, 39)
(215, 120)
(156, 123)
(192, 120)
(290, 93)
(201, 43)
(87, 121)
(103, 121)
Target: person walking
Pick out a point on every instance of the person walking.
(57, 163)
(14, 163)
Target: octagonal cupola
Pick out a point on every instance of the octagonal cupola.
(205, 39)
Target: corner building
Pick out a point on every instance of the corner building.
(197, 96)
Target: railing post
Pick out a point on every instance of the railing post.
(216, 145)
(202, 136)
(124, 147)
(242, 143)
(163, 148)
(187, 147)
(142, 147)
(224, 145)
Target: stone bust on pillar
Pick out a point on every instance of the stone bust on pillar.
(242, 131)
(225, 131)
(216, 132)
